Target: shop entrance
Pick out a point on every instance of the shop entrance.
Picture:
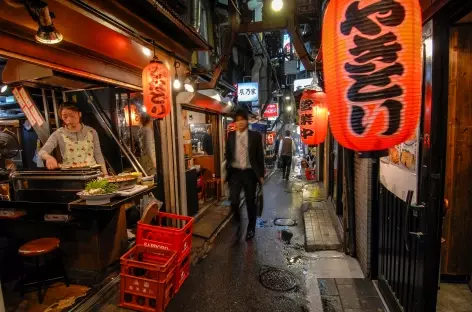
(456, 258)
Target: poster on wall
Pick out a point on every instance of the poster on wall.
(405, 155)
(399, 170)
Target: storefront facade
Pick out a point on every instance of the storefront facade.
(422, 203)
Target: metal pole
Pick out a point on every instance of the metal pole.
(46, 111)
(54, 105)
(133, 160)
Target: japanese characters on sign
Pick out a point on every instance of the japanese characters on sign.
(156, 90)
(372, 66)
(313, 117)
(248, 92)
(272, 111)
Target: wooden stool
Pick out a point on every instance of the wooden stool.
(37, 248)
(214, 183)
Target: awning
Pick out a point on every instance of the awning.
(205, 100)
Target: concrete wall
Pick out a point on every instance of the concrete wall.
(363, 202)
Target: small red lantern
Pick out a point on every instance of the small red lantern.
(313, 117)
(156, 89)
(135, 116)
(372, 70)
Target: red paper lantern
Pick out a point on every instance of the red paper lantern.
(156, 89)
(372, 71)
(313, 117)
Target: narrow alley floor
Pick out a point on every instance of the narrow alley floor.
(236, 275)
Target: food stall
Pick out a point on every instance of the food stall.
(93, 228)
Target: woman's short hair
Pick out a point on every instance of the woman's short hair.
(70, 106)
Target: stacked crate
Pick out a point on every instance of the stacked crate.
(160, 263)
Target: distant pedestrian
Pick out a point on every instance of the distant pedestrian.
(277, 145)
(286, 151)
(245, 169)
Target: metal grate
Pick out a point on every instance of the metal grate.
(277, 279)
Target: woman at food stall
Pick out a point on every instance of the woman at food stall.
(146, 144)
(78, 143)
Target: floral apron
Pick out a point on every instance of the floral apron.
(79, 151)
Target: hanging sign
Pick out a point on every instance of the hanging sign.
(33, 115)
(272, 111)
(313, 117)
(372, 68)
(248, 92)
(156, 89)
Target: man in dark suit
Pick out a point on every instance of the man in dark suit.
(245, 168)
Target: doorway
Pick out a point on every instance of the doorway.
(456, 259)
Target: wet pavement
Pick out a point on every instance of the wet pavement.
(236, 276)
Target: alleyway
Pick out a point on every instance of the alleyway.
(229, 278)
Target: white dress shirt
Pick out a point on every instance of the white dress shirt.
(239, 151)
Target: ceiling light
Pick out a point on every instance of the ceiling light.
(46, 33)
(277, 5)
(147, 51)
(177, 84)
(287, 97)
(4, 88)
(289, 108)
(188, 86)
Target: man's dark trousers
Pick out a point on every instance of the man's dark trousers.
(247, 180)
(287, 166)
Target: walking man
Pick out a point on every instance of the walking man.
(245, 169)
(286, 151)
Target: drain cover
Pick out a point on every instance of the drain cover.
(277, 279)
(285, 222)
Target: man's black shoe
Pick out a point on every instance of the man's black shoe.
(250, 234)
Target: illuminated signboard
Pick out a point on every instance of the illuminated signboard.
(248, 92)
(272, 111)
(301, 83)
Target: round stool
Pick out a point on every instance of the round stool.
(37, 248)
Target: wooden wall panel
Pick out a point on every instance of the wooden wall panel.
(456, 255)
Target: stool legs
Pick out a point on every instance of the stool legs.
(39, 282)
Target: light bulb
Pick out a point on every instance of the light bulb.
(4, 88)
(147, 51)
(289, 108)
(188, 87)
(277, 5)
(177, 84)
(287, 97)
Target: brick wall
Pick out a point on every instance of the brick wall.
(363, 203)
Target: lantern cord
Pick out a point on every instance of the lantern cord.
(154, 48)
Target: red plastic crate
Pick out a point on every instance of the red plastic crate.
(147, 285)
(165, 236)
(182, 271)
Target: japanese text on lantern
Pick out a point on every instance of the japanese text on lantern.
(372, 58)
(156, 83)
(306, 118)
(371, 49)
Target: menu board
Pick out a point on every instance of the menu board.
(405, 155)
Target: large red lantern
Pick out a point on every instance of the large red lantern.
(156, 89)
(313, 117)
(372, 71)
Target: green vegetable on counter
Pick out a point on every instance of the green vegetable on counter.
(100, 187)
